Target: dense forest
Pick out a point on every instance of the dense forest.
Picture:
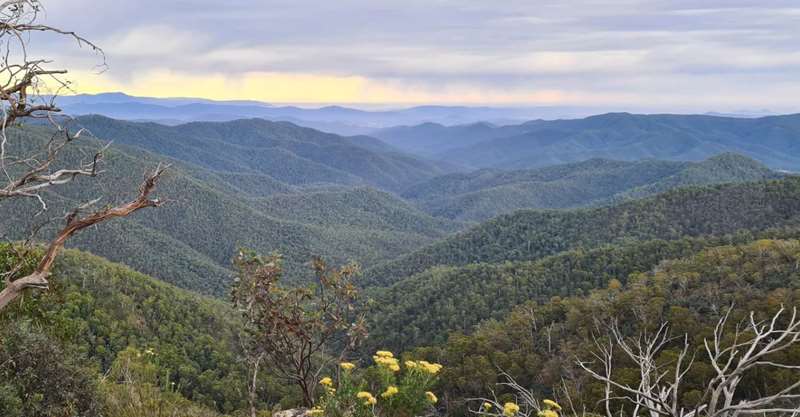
(486, 193)
(533, 234)
(539, 343)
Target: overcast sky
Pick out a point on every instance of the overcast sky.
(680, 55)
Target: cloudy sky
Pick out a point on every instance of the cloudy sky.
(681, 55)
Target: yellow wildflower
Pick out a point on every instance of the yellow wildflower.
(510, 409)
(384, 354)
(316, 411)
(431, 368)
(347, 366)
(327, 381)
(387, 362)
(547, 413)
(487, 406)
(551, 405)
(390, 392)
(367, 397)
(431, 397)
(411, 364)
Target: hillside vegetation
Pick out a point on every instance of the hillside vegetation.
(96, 310)
(281, 150)
(486, 193)
(539, 343)
(191, 240)
(429, 305)
(533, 234)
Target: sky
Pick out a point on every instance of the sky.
(680, 55)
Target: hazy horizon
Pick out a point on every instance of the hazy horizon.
(626, 55)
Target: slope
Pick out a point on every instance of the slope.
(281, 150)
(533, 234)
(539, 343)
(190, 241)
(97, 309)
(487, 193)
(424, 308)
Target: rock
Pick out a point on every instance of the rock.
(294, 412)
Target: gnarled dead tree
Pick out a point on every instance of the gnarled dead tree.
(28, 89)
(751, 347)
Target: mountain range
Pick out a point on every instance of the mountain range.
(336, 119)
(771, 140)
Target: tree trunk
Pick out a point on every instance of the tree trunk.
(254, 386)
(14, 289)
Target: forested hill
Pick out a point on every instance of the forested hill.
(533, 234)
(621, 136)
(191, 240)
(486, 193)
(429, 305)
(280, 150)
(540, 343)
(95, 311)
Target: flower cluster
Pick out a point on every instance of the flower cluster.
(431, 397)
(390, 392)
(368, 398)
(510, 409)
(399, 391)
(387, 360)
(551, 409)
(425, 366)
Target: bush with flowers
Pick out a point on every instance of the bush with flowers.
(548, 408)
(389, 388)
(526, 406)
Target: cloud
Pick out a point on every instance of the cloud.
(718, 53)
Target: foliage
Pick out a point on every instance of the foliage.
(386, 389)
(95, 310)
(134, 387)
(39, 378)
(294, 328)
(539, 344)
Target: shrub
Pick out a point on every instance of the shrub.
(386, 389)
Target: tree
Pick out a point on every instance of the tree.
(753, 346)
(28, 89)
(297, 331)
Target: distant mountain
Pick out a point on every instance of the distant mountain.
(283, 151)
(432, 139)
(486, 193)
(534, 234)
(337, 119)
(774, 141)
